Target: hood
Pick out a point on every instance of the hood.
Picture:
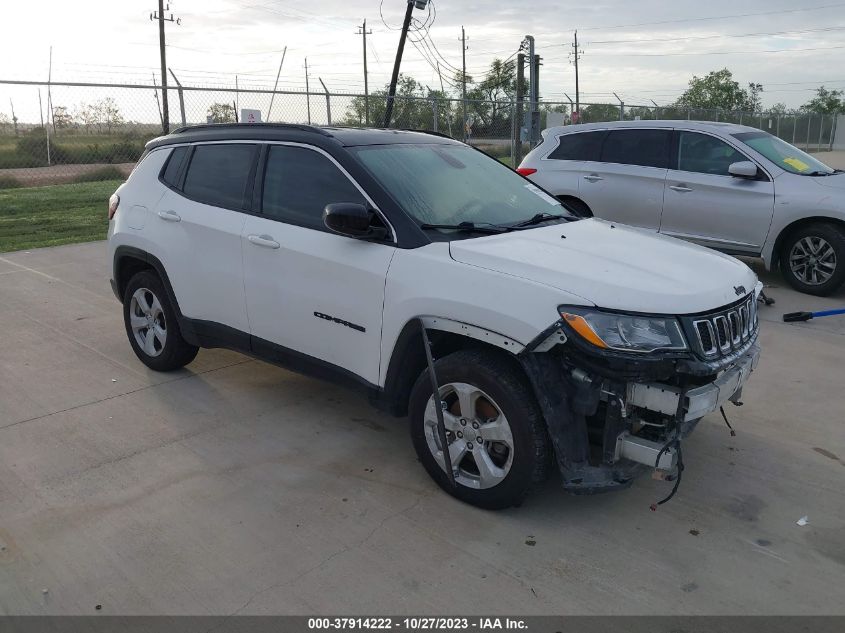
(834, 181)
(614, 266)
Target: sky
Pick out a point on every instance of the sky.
(643, 51)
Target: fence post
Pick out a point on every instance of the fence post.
(777, 129)
(807, 140)
(514, 134)
(328, 101)
(433, 114)
(821, 129)
(688, 114)
(182, 99)
(833, 125)
(794, 126)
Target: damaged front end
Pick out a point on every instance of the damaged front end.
(614, 411)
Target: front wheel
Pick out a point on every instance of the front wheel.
(813, 259)
(498, 446)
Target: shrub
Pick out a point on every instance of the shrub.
(103, 173)
(8, 182)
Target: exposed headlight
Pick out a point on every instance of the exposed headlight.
(625, 332)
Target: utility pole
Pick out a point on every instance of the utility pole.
(520, 82)
(276, 85)
(307, 91)
(464, 79)
(406, 24)
(532, 90)
(535, 122)
(577, 53)
(362, 30)
(14, 118)
(159, 15)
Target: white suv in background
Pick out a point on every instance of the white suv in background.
(336, 252)
(733, 188)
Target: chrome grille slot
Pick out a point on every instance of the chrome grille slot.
(706, 336)
(725, 330)
(735, 327)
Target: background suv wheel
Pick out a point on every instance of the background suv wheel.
(151, 325)
(813, 259)
(497, 438)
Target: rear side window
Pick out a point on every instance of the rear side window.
(218, 174)
(299, 183)
(579, 146)
(706, 154)
(646, 148)
(174, 164)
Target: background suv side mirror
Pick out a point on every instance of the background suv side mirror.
(743, 169)
(353, 220)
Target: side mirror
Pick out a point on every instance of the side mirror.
(353, 220)
(743, 169)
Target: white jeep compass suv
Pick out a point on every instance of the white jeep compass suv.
(392, 261)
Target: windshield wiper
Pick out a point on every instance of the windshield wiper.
(469, 227)
(818, 172)
(539, 219)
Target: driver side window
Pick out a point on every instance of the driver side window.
(299, 183)
(705, 154)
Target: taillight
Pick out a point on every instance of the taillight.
(526, 171)
(114, 201)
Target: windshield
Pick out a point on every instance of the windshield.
(783, 154)
(454, 184)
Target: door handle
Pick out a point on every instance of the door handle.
(680, 188)
(264, 241)
(593, 178)
(170, 216)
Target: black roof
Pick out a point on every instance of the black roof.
(344, 136)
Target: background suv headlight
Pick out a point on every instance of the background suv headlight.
(625, 332)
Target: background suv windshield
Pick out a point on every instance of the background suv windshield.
(783, 154)
(450, 184)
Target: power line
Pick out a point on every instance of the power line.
(710, 37)
(774, 50)
(716, 17)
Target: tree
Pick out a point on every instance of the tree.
(599, 112)
(779, 108)
(5, 123)
(87, 115)
(62, 118)
(825, 102)
(108, 114)
(222, 113)
(411, 109)
(718, 91)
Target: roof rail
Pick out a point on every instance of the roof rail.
(219, 126)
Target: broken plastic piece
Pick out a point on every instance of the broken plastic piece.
(803, 520)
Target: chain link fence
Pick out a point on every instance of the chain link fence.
(77, 132)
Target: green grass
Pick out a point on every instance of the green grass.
(34, 217)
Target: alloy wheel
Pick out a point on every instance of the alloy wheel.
(812, 260)
(147, 322)
(481, 444)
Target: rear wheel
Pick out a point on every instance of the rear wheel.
(151, 325)
(813, 259)
(498, 446)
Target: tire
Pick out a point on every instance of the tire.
(148, 312)
(577, 207)
(494, 386)
(821, 248)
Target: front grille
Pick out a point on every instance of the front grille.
(727, 330)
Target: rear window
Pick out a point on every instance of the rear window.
(218, 174)
(579, 146)
(174, 164)
(646, 148)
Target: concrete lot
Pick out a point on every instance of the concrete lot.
(237, 487)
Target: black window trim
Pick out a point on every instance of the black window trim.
(258, 191)
(246, 196)
(674, 155)
(181, 173)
